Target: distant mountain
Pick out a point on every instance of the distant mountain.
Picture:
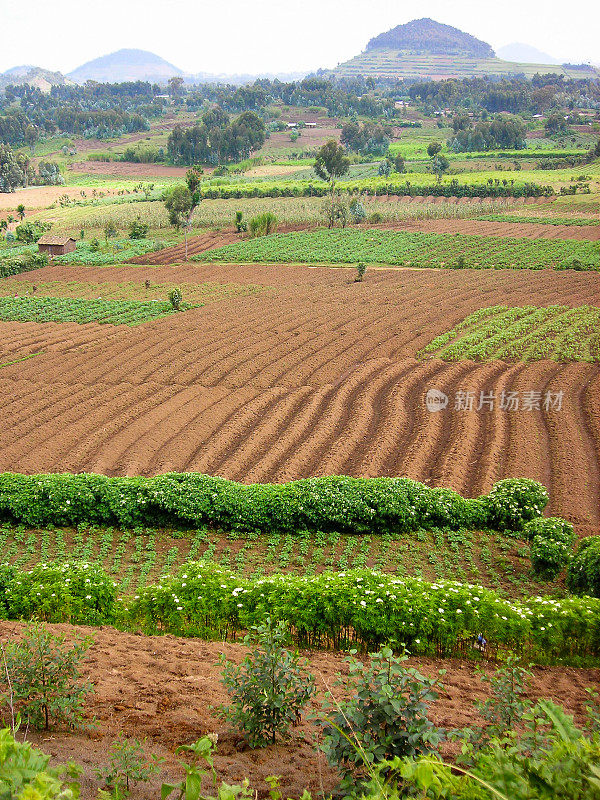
(427, 50)
(526, 54)
(427, 35)
(126, 65)
(43, 79)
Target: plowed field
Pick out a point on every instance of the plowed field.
(317, 376)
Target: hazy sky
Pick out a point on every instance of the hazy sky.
(273, 35)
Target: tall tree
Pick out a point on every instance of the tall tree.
(331, 163)
(182, 201)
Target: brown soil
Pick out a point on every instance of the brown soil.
(165, 688)
(125, 169)
(315, 376)
(36, 197)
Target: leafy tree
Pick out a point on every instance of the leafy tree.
(181, 202)
(175, 86)
(331, 163)
(13, 169)
(399, 163)
(32, 134)
(30, 232)
(440, 165)
(21, 211)
(433, 149)
(556, 124)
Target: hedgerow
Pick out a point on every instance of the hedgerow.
(365, 608)
(336, 503)
(362, 608)
(374, 186)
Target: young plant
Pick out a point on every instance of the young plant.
(128, 765)
(190, 788)
(269, 689)
(176, 298)
(361, 269)
(42, 676)
(505, 708)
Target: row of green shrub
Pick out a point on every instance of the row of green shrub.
(374, 187)
(336, 503)
(362, 608)
(24, 262)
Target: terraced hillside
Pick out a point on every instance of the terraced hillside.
(386, 63)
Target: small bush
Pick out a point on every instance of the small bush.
(45, 682)
(263, 224)
(583, 576)
(176, 298)
(384, 715)
(138, 229)
(269, 689)
(361, 269)
(128, 764)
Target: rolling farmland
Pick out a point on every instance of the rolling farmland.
(317, 376)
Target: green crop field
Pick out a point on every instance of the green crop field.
(64, 309)
(407, 249)
(522, 333)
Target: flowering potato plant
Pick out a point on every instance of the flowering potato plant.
(74, 592)
(363, 608)
(335, 503)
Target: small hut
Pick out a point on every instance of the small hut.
(56, 245)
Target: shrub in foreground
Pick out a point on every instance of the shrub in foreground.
(26, 774)
(380, 713)
(42, 678)
(269, 690)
